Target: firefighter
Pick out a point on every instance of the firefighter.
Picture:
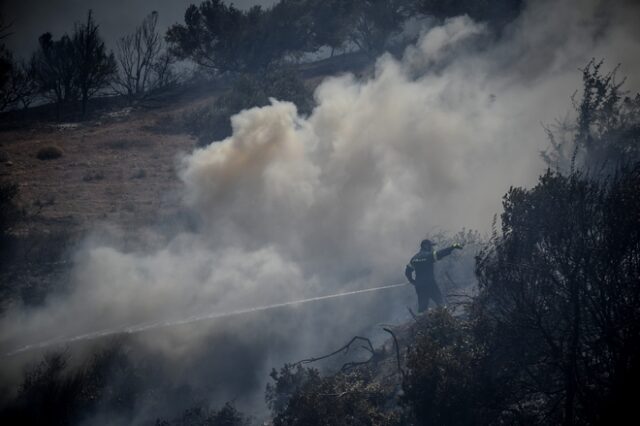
(422, 264)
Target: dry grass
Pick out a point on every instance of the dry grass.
(117, 172)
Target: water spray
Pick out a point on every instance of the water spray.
(139, 328)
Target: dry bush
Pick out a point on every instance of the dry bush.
(226, 416)
(300, 396)
(139, 174)
(126, 144)
(93, 176)
(50, 152)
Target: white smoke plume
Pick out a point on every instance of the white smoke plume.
(294, 207)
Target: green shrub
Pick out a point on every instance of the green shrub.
(444, 383)
(558, 298)
(54, 389)
(606, 131)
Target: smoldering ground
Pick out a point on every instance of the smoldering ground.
(292, 207)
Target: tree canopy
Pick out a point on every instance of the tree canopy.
(73, 67)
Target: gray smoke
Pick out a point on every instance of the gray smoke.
(297, 207)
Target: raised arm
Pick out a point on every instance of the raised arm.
(447, 251)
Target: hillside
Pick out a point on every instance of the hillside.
(120, 166)
(203, 223)
(117, 176)
(116, 169)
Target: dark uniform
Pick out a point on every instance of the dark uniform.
(425, 282)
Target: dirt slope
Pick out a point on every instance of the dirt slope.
(117, 169)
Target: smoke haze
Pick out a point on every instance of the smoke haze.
(31, 18)
(293, 207)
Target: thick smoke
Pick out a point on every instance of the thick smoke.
(294, 207)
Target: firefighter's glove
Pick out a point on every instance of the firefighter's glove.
(457, 246)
